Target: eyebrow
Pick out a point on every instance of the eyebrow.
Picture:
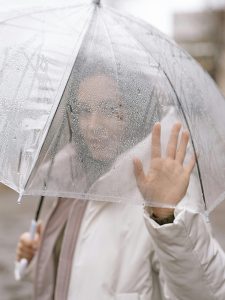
(82, 104)
(111, 102)
(104, 103)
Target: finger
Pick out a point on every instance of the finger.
(20, 256)
(22, 247)
(181, 152)
(156, 143)
(191, 164)
(25, 238)
(27, 243)
(23, 253)
(173, 140)
(138, 171)
(36, 242)
(39, 229)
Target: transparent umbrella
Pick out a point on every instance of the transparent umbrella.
(81, 87)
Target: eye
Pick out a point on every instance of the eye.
(112, 112)
(83, 110)
(109, 110)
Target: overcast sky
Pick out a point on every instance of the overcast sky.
(157, 12)
(160, 13)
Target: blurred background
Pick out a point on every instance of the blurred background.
(199, 27)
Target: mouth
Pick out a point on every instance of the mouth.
(100, 142)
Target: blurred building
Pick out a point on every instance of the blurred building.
(202, 34)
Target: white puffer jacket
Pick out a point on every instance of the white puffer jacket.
(122, 254)
(120, 257)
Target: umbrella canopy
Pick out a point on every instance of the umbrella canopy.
(81, 87)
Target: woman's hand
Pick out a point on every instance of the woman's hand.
(26, 248)
(167, 179)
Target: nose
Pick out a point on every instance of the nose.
(93, 121)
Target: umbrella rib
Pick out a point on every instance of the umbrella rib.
(49, 171)
(14, 112)
(19, 161)
(58, 103)
(147, 108)
(192, 141)
(40, 11)
(56, 140)
(110, 42)
(187, 123)
(59, 132)
(69, 124)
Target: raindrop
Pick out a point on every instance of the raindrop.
(20, 199)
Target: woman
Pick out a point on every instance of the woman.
(102, 250)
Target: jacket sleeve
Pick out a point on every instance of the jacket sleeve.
(192, 262)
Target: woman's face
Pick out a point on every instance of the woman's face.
(101, 116)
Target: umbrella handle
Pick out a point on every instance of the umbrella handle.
(21, 265)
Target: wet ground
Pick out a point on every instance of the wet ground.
(15, 219)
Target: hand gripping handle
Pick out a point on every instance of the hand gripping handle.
(21, 265)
